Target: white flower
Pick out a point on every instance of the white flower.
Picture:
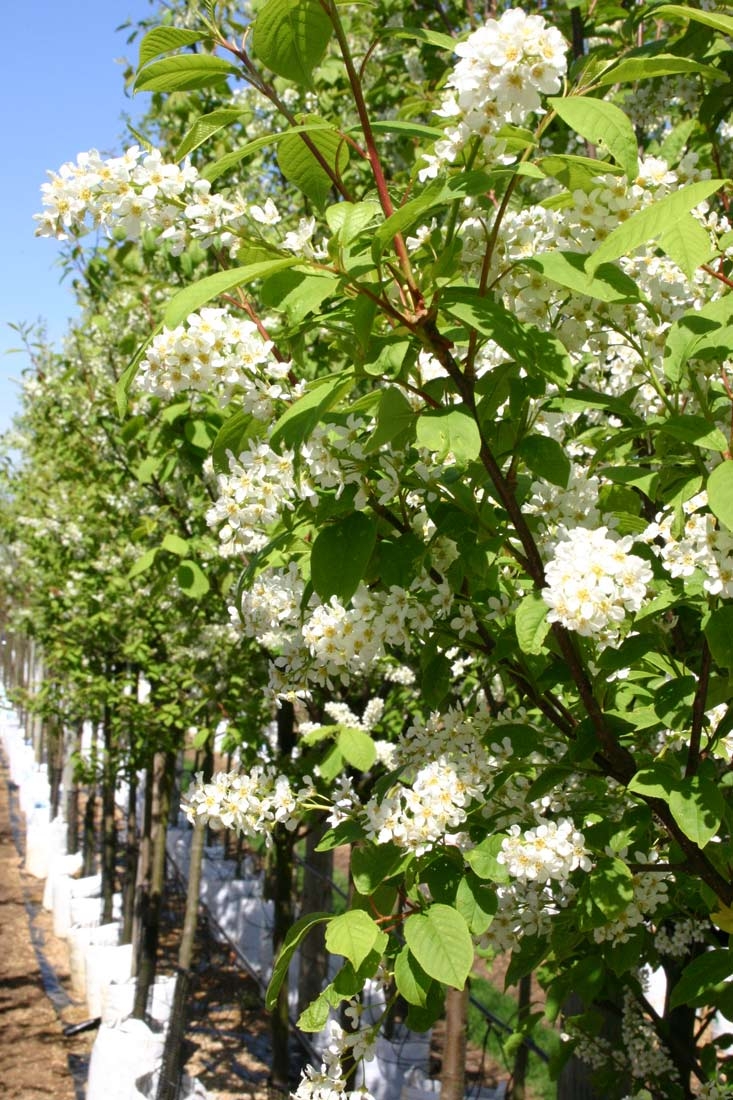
(594, 582)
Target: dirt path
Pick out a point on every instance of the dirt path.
(33, 1057)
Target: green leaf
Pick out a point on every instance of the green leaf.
(420, 34)
(601, 123)
(576, 173)
(720, 493)
(183, 73)
(688, 244)
(143, 563)
(656, 781)
(290, 37)
(438, 193)
(422, 1019)
(630, 70)
(395, 415)
(300, 165)
(411, 980)
(526, 958)
(232, 437)
(357, 748)
(567, 269)
(175, 544)
(698, 807)
(651, 222)
(191, 298)
(477, 903)
(531, 623)
(482, 859)
(546, 458)
(212, 171)
(405, 129)
(163, 39)
(331, 764)
(200, 433)
(449, 431)
(694, 429)
(297, 293)
(373, 864)
(340, 556)
(205, 127)
(611, 886)
(537, 351)
(705, 332)
(315, 1016)
(354, 935)
(719, 634)
(293, 939)
(192, 580)
(347, 220)
(297, 422)
(440, 941)
(701, 976)
(716, 20)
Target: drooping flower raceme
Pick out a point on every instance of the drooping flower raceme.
(701, 549)
(505, 67)
(446, 770)
(259, 487)
(216, 353)
(139, 191)
(552, 850)
(135, 191)
(250, 803)
(594, 582)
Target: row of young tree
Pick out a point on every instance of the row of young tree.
(399, 409)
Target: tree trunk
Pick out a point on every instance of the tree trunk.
(88, 838)
(575, 1080)
(150, 892)
(172, 1064)
(71, 790)
(282, 896)
(55, 765)
(109, 827)
(281, 892)
(317, 898)
(453, 1072)
(521, 1058)
(131, 857)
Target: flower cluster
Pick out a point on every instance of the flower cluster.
(648, 1059)
(251, 804)
(551, 850)
(445, 770)
(676, 939)
(329, 1083)
(594, 582)
(702, 549)
(505, 67)
(139, 191)
(259, 487)
(215, 353)
(651, 891)
(133, 192)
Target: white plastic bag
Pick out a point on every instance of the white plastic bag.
(105, 965)
(120, 1056)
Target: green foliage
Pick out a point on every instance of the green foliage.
(290, 37)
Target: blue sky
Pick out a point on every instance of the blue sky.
(61, 92)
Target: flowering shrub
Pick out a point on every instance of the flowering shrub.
(468, 403)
